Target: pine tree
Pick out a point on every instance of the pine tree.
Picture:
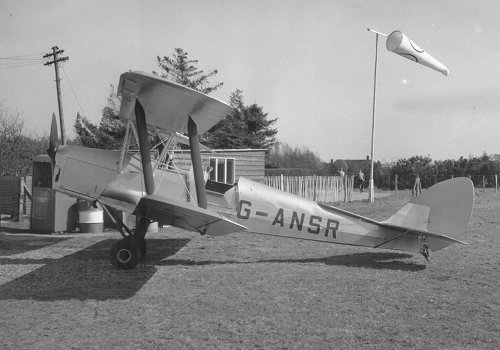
(246, 127)
(182, 70)
(111, 130)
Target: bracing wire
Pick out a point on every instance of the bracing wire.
(170, 144)
(73, 90)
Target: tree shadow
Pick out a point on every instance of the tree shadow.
(86, 274)
(375, 260)
(4, 229)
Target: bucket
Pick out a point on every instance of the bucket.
(90, 219)
(153, 227)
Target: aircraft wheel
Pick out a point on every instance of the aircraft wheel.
(123, 255)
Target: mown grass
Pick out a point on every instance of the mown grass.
(246, 291)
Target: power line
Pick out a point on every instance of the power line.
(14, 62)
(27, 55)
(18, 65)
(19, 61)
(22, 59)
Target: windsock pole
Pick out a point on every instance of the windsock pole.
(372, 188)
(376, 32)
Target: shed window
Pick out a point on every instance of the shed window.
(223, 170)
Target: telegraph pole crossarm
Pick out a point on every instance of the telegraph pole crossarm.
(55, 61)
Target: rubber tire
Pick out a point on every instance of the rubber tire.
(123, 255)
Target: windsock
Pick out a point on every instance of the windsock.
(399, 43)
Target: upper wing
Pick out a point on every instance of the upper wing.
(177, 214)
(168, 105)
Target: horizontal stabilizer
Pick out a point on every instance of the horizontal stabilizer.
(165, 210)
(434, 241)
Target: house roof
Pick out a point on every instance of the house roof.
(351, 163)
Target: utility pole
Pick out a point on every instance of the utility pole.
(55, 53)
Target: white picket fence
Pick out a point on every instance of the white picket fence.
(323, 189)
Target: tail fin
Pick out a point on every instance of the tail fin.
(443, 209)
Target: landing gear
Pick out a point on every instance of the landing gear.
(124, 255)
(425, 251)
(128, 251)
(424, 248)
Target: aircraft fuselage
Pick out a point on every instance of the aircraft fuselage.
(105, 176)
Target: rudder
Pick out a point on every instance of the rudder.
(444, 208)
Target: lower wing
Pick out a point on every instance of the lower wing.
(159, 208)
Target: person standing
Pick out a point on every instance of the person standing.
(206, 173)
(417, 187)
(361, 180)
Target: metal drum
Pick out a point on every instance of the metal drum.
(90, 218)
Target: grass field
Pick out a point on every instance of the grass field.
(244, 291)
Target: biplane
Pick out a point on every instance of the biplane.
(150, 186)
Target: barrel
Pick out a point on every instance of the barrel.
(90, 218)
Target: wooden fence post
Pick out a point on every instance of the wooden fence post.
(396, 186)
(351, 188)
(344, 186)
(484, 182)
(21, 201)
(314, 187)
(496, 183)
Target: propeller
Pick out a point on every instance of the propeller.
(53, 138)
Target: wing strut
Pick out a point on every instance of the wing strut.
(194, 143)
(142, 133)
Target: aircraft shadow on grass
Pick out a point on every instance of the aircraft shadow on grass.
(87, 274)
(376, 260)
(14, 244)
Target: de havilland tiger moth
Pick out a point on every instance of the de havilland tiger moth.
(154, 189)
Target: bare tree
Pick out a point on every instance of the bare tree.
(15, 147)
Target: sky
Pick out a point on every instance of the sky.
(309, 64)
